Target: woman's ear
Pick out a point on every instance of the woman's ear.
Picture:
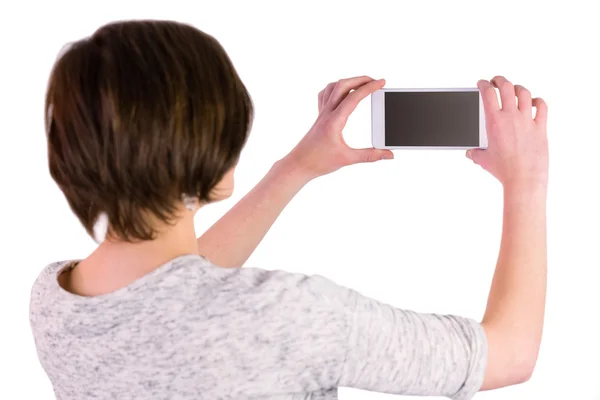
(224, 189)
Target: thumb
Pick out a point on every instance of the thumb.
(476, 155)
(370, 155)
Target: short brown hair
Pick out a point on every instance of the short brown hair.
(138, 114)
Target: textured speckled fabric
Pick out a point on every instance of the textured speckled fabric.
(190, 330)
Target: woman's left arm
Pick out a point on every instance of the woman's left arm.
(233, 238)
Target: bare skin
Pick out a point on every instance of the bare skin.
(517, 156)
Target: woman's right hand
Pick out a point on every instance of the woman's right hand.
(517, 152)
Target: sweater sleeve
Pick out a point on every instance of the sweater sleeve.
(390, 350)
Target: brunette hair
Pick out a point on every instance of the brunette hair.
(139, 114)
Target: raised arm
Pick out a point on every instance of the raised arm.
(233, 238)
(390, 350)
(518, 157)
(337, 337)
(315, 336)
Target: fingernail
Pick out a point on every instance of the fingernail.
(468, 154)
(388, 156)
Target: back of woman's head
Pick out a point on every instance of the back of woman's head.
(139, 114)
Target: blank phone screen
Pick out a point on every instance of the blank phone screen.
(433, 119)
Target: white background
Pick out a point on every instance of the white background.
(420, 232)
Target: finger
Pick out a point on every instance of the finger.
(343, 87)
(327, 93)
(369, 155)
(353, 99)
(488, 96)
(541, 107)
(524, 97)
(476, 155)
(507, 92)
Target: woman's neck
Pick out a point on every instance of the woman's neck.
(116, 264)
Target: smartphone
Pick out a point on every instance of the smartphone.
(428, 119)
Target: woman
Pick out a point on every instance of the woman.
(146, 121)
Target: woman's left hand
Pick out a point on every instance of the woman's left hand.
(323, 149)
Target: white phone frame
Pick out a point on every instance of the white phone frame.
(378, 119)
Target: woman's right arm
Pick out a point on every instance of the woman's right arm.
(390, 350)
(518, 157)
(514, 315)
